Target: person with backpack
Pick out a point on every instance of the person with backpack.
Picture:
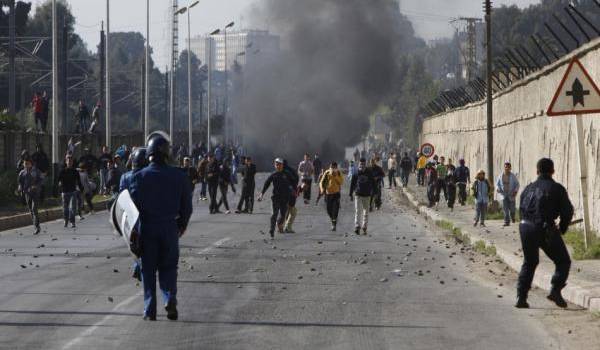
(331, 184)
(542, 202)
(463, 179)
(482, 191)
(362, 185)
(406, 167)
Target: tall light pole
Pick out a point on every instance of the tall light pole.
(107, 69)
(225, 116)
(147, 85)
(55, 158)
(490, 120)
(189, 71)
(209, 83)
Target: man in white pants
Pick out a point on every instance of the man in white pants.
(362, 185)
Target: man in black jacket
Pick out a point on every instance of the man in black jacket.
(248, 184)
(69, 181)
(406, 167)
(282, 191)
(42, 164)
(362, 186)
(213, 172)
(378, 175)
(542, 202)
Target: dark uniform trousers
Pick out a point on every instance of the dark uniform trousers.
(534, 237)
(462, 193)
(280, 207)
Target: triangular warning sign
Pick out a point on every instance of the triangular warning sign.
(576, 94)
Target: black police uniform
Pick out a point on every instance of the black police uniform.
(282, 191)
(538, 230)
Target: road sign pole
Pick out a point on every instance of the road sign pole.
(583, 177)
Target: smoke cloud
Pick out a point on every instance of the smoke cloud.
(338, 63)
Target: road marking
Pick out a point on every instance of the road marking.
(93, 328)
(214, 245)
(124, 303)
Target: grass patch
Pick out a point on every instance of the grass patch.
(481, 247)
(575, 239)
(446, 225)
(455, 231)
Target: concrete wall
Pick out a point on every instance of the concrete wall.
(523, 133)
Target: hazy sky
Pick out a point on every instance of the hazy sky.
(430, 18)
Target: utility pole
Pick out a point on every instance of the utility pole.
(226, 100)
(147, 80)
(490, 120)
(102, 56)
(64, 69)
(142, 99)
(470, 52)
(107, 59)
(209, 83)
(12, 74)
(174, 53)
(55, 158)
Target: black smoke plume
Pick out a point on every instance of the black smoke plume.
(338, 63)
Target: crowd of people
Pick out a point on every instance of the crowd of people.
(216, 171)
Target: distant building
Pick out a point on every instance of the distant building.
(242, 46)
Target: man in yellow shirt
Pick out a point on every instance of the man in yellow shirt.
(331, 184)
(421, 163)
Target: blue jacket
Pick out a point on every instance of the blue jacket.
(513, 186)
(162, 194)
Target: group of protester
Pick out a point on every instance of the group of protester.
(444, 178)
(84, 121)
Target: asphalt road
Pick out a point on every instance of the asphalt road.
(315, 289)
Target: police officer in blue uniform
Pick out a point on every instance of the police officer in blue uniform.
(542, 202)
(162, 195)
(138, 162)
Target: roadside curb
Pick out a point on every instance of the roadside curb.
(586, 295)
(45, 215)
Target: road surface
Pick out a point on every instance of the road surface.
(405, 286)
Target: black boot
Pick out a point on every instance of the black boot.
(556, 297)
(522, 302)
(171, 309)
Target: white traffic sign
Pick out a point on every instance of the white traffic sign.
(576, 94)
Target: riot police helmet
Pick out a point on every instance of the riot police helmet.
(138, 158)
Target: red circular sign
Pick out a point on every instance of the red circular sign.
(427, 150)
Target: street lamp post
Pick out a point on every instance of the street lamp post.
(225, 114)
(107, 71)
(189, 68)
(147, 87)
(209, 83)
(55, 156)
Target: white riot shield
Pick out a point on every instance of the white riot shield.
(124, 217)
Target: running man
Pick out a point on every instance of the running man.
(282, 191)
